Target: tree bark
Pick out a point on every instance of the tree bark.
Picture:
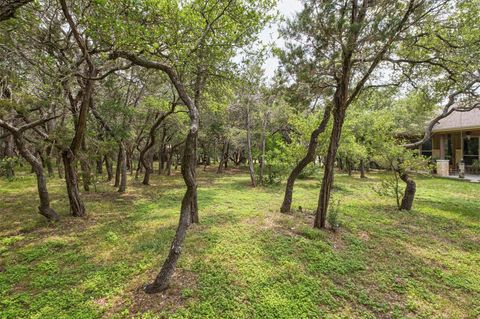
(327, 181)
(223, 161)
(309, 157)
(249, 146)
(77, 208)
(59, 165)
(9, 152)
(85, 166)
(99, 163)
(410, 189)
(44, 208)
(169, 162)
(188, 210)
(118, 168)
(109, 167)
(123, 167)
(147, 162)
(262, 149)
(362, 169)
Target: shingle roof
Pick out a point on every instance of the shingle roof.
(459, 120)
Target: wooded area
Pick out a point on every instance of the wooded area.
(109, 103)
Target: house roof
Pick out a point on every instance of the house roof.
(459, 121)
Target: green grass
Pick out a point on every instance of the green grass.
(245, 260)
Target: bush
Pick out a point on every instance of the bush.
(333, 214)
(7, 166)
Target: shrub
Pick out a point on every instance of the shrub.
(333, 214)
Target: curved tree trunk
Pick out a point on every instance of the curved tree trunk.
(410, 189)
(189, 164)
(44, 208)
(77, 208)
(309, 157)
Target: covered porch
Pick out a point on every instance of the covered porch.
(452, 148)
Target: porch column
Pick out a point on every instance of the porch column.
(443, 167)
(442, 146)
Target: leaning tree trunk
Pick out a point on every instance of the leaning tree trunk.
(44, 208)
(77, 208)
(327, 181)
(410, 189)
(162, 280)
(309, 157)
(123, 168)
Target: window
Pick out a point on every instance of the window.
(427, 148)
(470, 150)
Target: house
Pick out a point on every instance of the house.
(456, 138)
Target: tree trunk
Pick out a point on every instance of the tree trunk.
(348, 162)
(362, 169)
(309, 157)
(59, 165)
(99, 163)
(169, 162)
(123, 168)
(409, 195)
(77, 207)
(223, 160)
(118, 168)
(249, 146)
(44, 208)
(162, 280)
(262, 150)
(9, 152)
(148, 165)
(109, 167)
(327, 181)
(85, 167)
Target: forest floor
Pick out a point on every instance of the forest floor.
(245, 259)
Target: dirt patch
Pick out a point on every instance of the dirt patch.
(364, 236)
(138, 302)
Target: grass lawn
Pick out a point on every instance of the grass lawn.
(245, 259)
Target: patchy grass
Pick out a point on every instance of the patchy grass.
(245, 260)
